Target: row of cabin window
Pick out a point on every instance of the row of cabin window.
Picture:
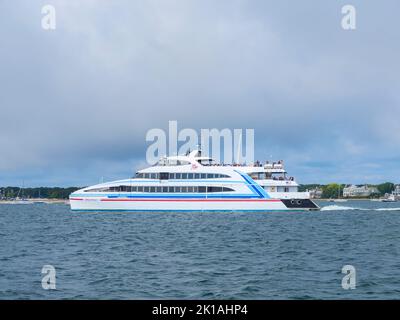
(172, 163)
(195, 189)
(171, 176)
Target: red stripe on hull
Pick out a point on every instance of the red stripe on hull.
(187, 200)
(195, 200)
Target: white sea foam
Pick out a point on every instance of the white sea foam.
(344, 208)
(387, 209)
(337, 208)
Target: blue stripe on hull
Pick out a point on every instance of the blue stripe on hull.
(253, 185)
(161, 196)
(182, 210)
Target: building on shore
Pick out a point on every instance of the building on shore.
(316, 193)
(396, 192)
(354, 191)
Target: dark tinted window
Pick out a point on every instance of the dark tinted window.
(196, 175)
(158, 189)
(218, 189)
(163, 175)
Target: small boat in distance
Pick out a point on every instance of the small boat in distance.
(389, 198)
(19, 199)
(193, 183)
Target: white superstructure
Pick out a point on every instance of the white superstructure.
(195, 183)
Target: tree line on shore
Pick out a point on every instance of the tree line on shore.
(32, 193)
(332, 190)
(328, 191)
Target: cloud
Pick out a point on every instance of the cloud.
(84, 95)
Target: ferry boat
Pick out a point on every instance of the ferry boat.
(194, 183)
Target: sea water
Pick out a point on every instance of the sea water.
(200, 255)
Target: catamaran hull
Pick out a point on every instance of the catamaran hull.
(186, 205)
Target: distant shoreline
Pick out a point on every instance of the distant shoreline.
(37, 200)
(66, 201)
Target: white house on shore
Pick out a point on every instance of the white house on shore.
(316, 193)
(354, 191)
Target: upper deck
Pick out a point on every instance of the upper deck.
(268, 173)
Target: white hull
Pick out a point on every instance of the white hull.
(187, 205)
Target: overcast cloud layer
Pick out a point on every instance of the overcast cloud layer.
(76, 102)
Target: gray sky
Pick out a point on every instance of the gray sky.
(76, 102)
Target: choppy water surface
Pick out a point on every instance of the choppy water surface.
(206, 256)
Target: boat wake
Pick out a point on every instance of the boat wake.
(387, 209)
(344, 208)
(338, 208)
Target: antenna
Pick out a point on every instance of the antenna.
(199, 152)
